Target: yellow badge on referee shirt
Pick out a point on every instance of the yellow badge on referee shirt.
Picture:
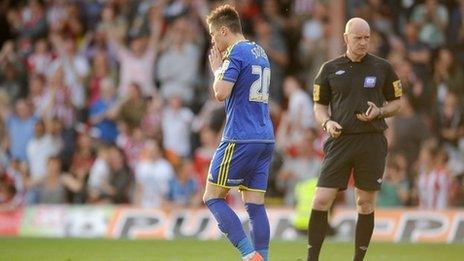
(398, 88)
(316, 92)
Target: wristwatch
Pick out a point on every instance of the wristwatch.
(324, 124)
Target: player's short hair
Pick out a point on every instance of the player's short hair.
(225, 15)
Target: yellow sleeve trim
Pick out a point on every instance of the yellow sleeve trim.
(397, 88)
(317, 92)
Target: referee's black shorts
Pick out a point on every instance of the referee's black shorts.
(364, 153)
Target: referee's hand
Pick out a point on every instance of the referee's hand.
(371, 114)
(334, 129)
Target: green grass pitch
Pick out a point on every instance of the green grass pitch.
(193, 250)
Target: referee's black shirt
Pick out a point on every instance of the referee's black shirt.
(347, 86)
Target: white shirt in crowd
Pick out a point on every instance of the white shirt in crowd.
(152, 178)
(300, 109)
(99, 174)
(38, 152)
(177, 71)
(176, 125)
(75, 69)
(136, 69)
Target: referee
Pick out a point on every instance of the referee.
(352, 96)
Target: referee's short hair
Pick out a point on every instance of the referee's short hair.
(225, 15)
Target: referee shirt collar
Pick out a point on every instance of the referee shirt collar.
(347, 60)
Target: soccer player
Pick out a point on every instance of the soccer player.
(361, 90)
(241, 79)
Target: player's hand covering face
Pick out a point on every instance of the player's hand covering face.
(215, 59)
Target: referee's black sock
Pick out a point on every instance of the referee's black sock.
(364, 229)
(317, 229)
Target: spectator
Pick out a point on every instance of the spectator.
(176, 126)
(313, 43)
(100, 71)
(17, 174)
(10, 200)
(33, 24)
(299, 115)
(448, 76)
(11, 72)
(83, 156)
(404, 135)
(57, 99)
(420, 93)
(81, 162)
(457, 191)
(137, 63)
(100, 112)
(75, 69)
(36, 96)
(132, 146)
(56, 15)
(39, 61)
(20, 129)
(178, 63)
(301, 167)
(395, 187)
(111, 19)
(183, 188)
(152, 176)
(39, 150)
(96, 43)
(99, 174)
(434, 179)
(432, 18)
(132, 108)
(67, 136)
(151, 122)
(71, 25)
(52, 191)
(417, 52)
(118, 188)
(3, 146)
(450, 121)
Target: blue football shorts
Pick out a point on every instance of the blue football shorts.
(242, 165)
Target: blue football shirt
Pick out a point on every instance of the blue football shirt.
(247, 112)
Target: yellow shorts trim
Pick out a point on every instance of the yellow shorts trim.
(242, 187)
(219, 185)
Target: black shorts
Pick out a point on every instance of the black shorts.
(363, 153)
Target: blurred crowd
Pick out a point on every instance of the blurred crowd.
(109, 101)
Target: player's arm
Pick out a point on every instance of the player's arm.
(225, 73)
(221, 88)
(321, 98)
